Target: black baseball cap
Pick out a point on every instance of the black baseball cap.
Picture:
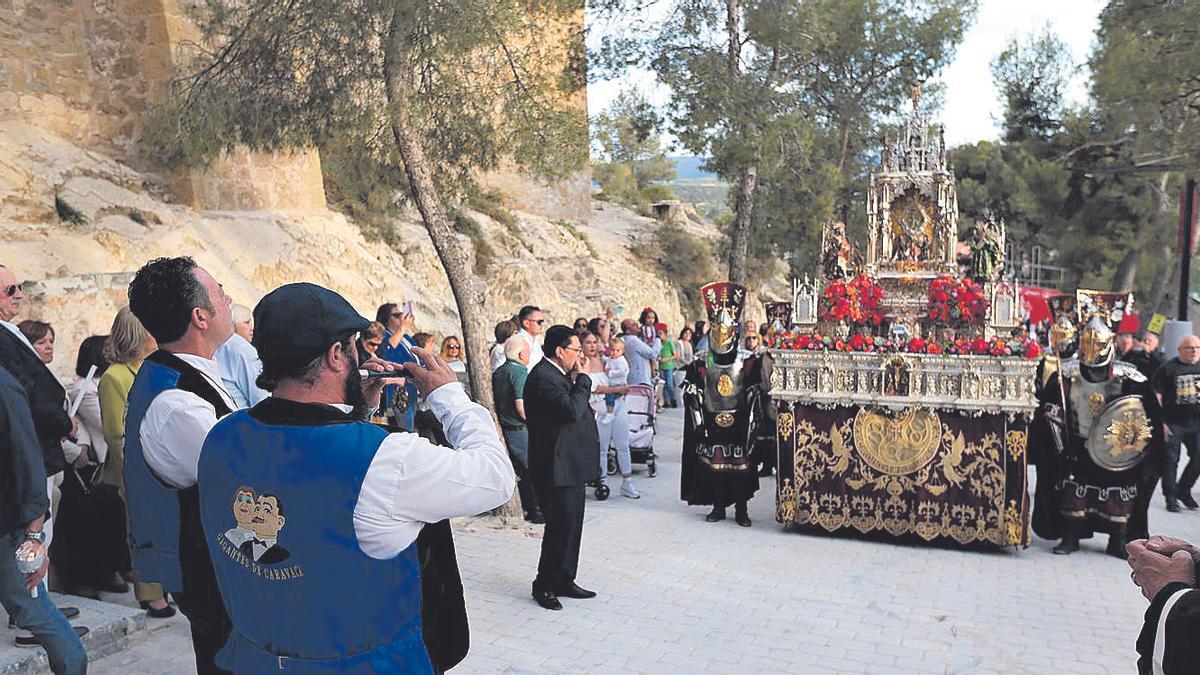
(296, 323)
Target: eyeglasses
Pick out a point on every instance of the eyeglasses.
(397, 315)
(537, 321)
(573, 349)
(11, 290)
(374, 343)
(448, 347)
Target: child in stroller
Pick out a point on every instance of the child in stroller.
(641, 410)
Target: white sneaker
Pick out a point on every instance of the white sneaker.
(608, 417)
(628, 490)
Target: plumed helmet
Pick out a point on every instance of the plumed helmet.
(724, 302)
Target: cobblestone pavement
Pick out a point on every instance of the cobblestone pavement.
(679, 595)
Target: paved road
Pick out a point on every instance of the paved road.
(679, 595)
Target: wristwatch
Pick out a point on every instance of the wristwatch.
(39, 536)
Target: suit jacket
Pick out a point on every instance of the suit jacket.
(47, 398)
(564, 446)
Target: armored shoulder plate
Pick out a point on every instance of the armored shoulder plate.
(1070, 369)
(1125, 370)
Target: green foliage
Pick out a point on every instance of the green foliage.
(481, 87)
(1031, 76)
(485, 255)
(370, 193)
(632, 166)
(67, 213)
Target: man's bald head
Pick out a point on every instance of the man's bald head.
(629, 326)
(1189, 349)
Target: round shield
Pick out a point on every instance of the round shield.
(1120, 436)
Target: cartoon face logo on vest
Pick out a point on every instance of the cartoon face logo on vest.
(259, 519)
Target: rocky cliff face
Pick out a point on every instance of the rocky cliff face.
(77, 223)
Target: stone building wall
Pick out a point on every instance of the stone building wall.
(88, 70)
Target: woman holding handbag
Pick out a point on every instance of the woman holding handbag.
(128, 344)
(88, 553)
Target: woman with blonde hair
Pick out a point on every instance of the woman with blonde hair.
(128, 344)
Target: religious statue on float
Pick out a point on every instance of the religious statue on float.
(1103, 416)
(838, 257)
(987, 249)
(719, 393)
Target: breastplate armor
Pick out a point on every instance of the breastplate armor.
(723, 387)
(1086, 400)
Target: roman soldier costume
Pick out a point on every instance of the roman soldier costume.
(1102, 418)
(718, 393)
(1045, 446)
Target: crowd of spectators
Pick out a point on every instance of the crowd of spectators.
(79, 425)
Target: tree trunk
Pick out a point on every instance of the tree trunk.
(739, 238)
(1163, 294)
(453, 258)
(1126, 271)
(743, 204)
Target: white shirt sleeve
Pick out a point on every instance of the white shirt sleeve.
(172, 433)
(412, 482)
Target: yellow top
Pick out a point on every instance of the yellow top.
(113, 390)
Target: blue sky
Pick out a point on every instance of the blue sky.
(972, 107)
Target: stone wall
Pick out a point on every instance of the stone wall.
(88, 70)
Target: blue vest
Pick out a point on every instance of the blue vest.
(154, 508)
(277, 504)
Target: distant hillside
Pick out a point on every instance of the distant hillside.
(688, 168)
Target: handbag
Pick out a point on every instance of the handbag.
(91, 531)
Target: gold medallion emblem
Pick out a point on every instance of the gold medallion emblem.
(724, 385)
(897, 445)
(1127, 434)
(724, 419)
(1096, 403)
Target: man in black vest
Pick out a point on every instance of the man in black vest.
(187, 312)
(563, 446)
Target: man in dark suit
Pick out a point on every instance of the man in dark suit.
(46, 395)
(563, 446)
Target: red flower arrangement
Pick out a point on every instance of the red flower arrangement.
(960, 302)
(866, 343)
(856, 301)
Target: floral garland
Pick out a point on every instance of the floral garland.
(856, 301)
(957, 302)
(1029, 349)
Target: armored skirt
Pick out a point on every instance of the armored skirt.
(716, 467)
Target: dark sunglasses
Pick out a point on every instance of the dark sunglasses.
(397, 315)
(537, 321)
(11, 290)
(374, 343)
(452, 347)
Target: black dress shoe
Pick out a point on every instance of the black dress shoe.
(547, 600)
(742, 518)
(28, 640)
(164, 613)
(1173, 507)
(69, 612)
(536, 518)
(1067, 546)
(574, 591)
(717, 514)
(1188, 501)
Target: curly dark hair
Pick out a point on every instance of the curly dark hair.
(163, 294)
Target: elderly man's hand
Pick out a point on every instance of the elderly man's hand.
(1152, 571)
(430, 376)
(1169, 545)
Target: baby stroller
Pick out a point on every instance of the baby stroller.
(642, 407)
